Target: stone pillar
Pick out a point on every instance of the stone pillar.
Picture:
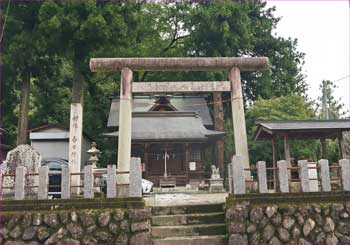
(304, 175)
(287, 153)
(65, 182)
(20, 182)
(75, 140)
(124, 140)
(135, 177)
(239, 186)
(345, 173)
(111, 181)
(88, 181)
(219, 126)
(229, 175)
(283, 176)
(325, 176)
(43, 182)
(238, 119)
(262, 179)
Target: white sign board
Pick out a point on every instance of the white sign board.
(192, 166)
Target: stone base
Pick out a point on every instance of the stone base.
(216, 185)
(123, 191)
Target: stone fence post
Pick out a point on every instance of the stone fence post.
(262, 179)
(345, 173)
(65, 182)
(304, 175)
(229, 176)
(111, 181)
(325, 176)
(88, 181)
(239, 186)
(43, 182)
(283, 176)
(135, 189)
(20, 182)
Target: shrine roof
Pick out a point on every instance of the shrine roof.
(165, 126)
(301, 129)
(181, 103)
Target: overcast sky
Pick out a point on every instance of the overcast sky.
(322, 30)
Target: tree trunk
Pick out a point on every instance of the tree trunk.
(78, 84)
(219, 125)
(23, 109)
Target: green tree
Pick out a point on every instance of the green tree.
(328, 106)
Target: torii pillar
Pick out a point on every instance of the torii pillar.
(127, 65)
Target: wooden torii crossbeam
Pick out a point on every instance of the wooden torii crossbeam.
(127, 65)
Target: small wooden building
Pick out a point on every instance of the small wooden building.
(170, 135)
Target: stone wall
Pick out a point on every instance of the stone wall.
(86, 226)
(306, 220)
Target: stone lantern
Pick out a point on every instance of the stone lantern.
(93, 152)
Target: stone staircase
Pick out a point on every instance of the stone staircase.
(195, 224)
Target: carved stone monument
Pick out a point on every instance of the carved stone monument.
(215, 182)
(26, 156)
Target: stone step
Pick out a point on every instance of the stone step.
(205, 208)
(188, 230)
(189, 240)
(188, 219)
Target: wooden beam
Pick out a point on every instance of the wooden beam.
(341, 145)
(179, 64)
(324, 150)
(181, 87)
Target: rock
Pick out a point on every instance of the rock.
(289, 210)
(254, 238)
(139, 214)
(331, 239)
(29, 233)
(87, 219)
(283, 234)
(56, 236)
(71, 241)
(302, 241)
(64, 217)
(276, 219)
(329, 225)
(256, 214)
(343, 228)
(295, 233)
(16, 232)
(122, 239)
(74, 216)
(91, 229)
(268, 233)
(124, 225)
(251, 228)
(275, 240)
(114, 228)
(263, 222)
(27, 220)
(270, 211)
(14, 220)
(144, 226)
(233, 228)
(75, 230)
(236, 213)
(308, 226)
(344, 215)
(347, 206)
(89, 240)
(320, 239)
(326, 209)
(118, 215)
(141, 238)
(344, 239)
(51, 219)
(37, 219)
(288, 222)
(337, 207)
(103, 236)
(318, 219)
(104, 218)
(236, 239)
(43, 233)
(300, 218)
(316, 208)
(4, 233)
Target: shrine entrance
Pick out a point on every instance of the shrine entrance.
(127, 88)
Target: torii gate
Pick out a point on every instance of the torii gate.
(128, 65)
